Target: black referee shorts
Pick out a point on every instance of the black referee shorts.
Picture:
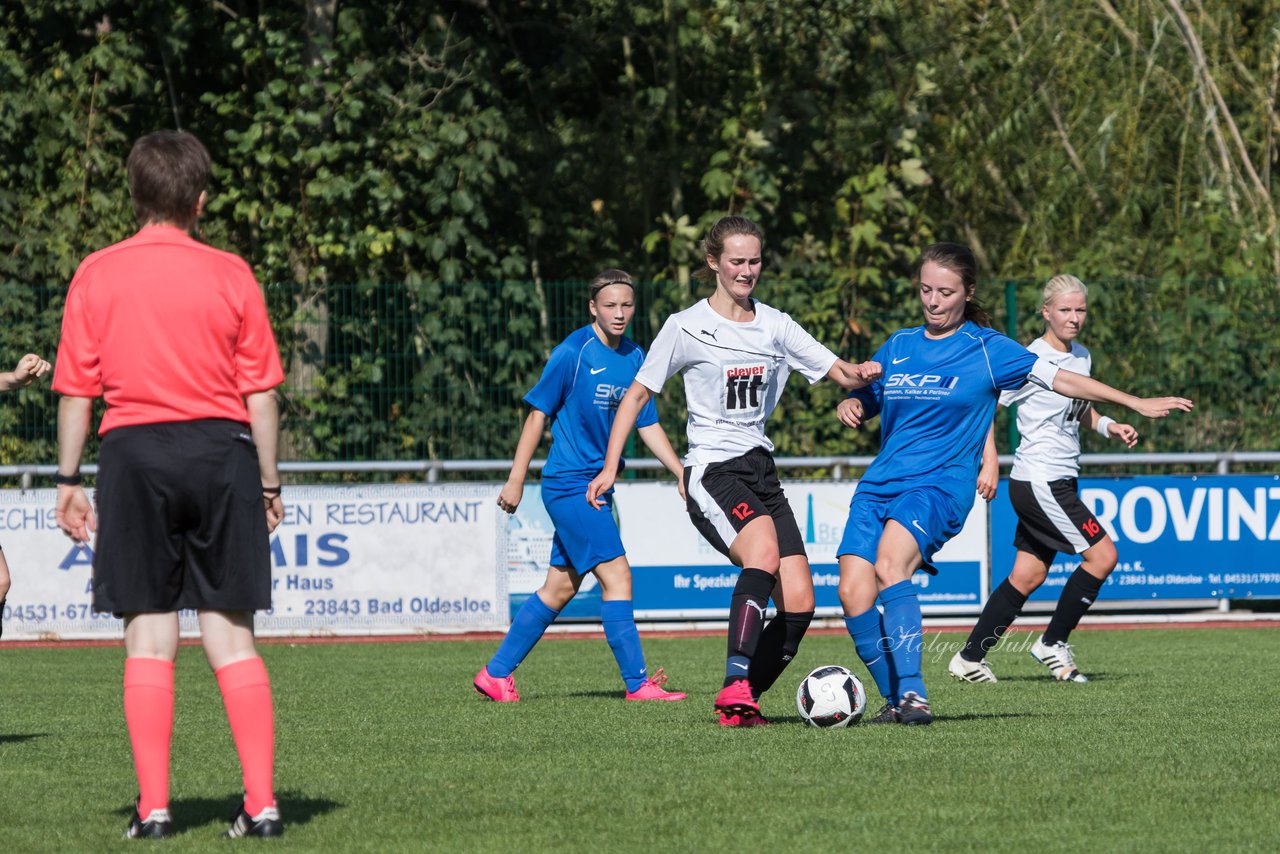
(181, 522)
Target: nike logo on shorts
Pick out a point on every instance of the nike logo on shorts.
(916, 522)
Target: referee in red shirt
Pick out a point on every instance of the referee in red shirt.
(173, 334)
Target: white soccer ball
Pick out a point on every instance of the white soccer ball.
(831, 696)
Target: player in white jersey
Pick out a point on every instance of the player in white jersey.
(735, 354)
(1042, 488)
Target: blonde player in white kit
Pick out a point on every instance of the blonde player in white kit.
(1042, 489)
(735, 354)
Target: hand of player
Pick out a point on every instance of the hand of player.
(509, 497)
(988, 480)
(850, 412)
(1159, 407)
(1124, 433)
(75, 514)
(275, 511)
(869, 371)
(603, 483)
(684, 495)
(29, 368)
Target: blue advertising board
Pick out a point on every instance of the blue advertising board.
(1179, 537)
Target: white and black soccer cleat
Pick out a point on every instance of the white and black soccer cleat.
(266, 824)
(157, 825)
(970, 671)
(1058, 658)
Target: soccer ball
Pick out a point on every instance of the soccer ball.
(831, 697)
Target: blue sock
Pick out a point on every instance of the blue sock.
(904, 627)
(620, 630)
(526, 629)
(866, 631)
(894, 688)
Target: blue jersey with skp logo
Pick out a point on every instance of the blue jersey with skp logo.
(579, 390)
(936, 400)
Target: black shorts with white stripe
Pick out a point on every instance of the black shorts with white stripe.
(724, 497)
(1052, 518)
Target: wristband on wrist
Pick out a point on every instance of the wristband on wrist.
(1104, 425)
(67, 479)
(270, 491)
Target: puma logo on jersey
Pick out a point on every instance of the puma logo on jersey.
(711, 334)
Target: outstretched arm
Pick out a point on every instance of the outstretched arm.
(530, 437)
(849, 376)
(655, 439)
(1080, 387)
(29, 368)
(625, 418)
(1112, 430)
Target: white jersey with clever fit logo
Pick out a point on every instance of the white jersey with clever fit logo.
(733, 372)
(1049, 422)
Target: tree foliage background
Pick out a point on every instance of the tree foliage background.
(414, 182)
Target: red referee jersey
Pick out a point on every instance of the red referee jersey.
(166, 329)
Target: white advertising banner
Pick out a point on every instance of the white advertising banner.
(677, 574)
(347, 560)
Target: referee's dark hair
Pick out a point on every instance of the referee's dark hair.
(713, 243)
(959, 259)
(168, 170)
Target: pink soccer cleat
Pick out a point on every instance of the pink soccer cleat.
(652, 689)
(743, 720)
(499, 690)
(736, 699)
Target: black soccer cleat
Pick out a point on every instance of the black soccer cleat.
(914, 710)
(157, 826)
(888, 714)
(265, 825)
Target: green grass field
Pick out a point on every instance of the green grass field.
(384, 747)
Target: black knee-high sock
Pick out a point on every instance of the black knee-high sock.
(997, 615)
(778, 644)
(1080, 592)
(746, 620)
(1, 618)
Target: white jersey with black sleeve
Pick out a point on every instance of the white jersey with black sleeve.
(733, 373)
(1048, 422)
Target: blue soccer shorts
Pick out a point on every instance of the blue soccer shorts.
(931, 516)
(584, 536)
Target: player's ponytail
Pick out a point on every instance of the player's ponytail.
(960, 260)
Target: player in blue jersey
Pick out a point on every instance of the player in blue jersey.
(735, 354)
(936, 401)
(579, 391)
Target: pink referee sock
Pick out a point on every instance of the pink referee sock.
(148, 713)
(246, 692)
